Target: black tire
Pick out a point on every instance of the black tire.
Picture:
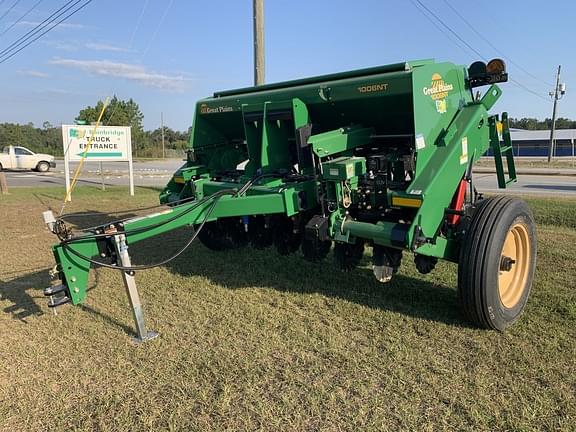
(43, 166)
(486, 297)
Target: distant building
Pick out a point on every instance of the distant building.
(536, 142)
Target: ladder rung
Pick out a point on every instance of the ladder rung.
(511, 180)
(505, 149)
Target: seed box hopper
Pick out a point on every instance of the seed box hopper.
(378, 157)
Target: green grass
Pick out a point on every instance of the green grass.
(253, 341)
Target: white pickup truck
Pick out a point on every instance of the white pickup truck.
(15, 157)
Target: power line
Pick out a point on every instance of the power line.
(137, 26)
(522, 86)
(449, 29)
(470, 47)
(46, 31)
(9, 9)
(22, 17)
(40, 27)
(157, 28)
(495, 48)
(435, 24)
(37, 28)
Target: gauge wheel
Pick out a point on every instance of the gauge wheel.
(497, 262)
(43, 166)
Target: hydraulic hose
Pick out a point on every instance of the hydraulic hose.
(149, 266)
(214, 197)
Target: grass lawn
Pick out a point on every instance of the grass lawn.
(561, 163)
(254, 341)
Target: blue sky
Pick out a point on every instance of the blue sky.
(166, 54)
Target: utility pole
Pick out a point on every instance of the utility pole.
(258, 15)
(560, 88)
(162, 126)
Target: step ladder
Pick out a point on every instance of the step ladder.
(502, 148)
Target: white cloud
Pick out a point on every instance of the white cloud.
(59, 45)
(33, 73)
(61, 25)
(127, 71)
(105, 47)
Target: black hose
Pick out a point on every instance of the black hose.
(215, 197)
(234, 192)
(149, 266)
(84, 214)
(148, 227)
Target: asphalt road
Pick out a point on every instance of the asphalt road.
(150, 173)
(530, 184)
(158, 173)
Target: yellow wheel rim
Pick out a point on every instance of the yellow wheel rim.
(514, 265)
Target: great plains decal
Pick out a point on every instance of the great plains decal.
(438, 91)
(205, 109)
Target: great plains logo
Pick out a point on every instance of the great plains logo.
(438, 91)
(438, 88)
(373, 88)
(205, 109)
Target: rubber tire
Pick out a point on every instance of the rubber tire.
(479, 262)
(43, 167)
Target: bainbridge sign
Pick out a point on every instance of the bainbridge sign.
(101, 144)
(110, 143)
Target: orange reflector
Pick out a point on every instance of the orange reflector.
(406, 202)
(179, 180)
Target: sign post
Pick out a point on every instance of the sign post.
(109, 144)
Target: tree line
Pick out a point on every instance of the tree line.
(535, 124)
(48, 138)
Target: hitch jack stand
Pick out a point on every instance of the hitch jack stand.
(130, 283)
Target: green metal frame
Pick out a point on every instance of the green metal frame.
(261, 200)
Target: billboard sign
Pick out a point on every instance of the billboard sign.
(109, 144)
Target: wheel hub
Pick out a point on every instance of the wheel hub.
(514, 265)
(506, 263)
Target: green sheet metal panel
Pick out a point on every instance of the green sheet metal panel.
(380, 98)
(438, 94)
